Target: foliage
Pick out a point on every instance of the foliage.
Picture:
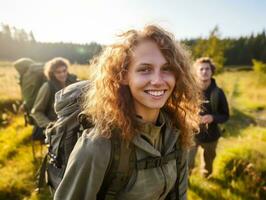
(242, 50)
(243, 169)
(212, 47)
(236, 51)
(259, 66)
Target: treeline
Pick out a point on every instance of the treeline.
(230, 51)
(241, 51)
(16, 43)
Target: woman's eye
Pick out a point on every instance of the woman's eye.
(144, 69)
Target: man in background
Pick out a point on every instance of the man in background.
(214, 111)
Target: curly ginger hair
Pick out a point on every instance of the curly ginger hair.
(109, 102)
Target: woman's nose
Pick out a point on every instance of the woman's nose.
(157, 79)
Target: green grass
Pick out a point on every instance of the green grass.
(246, 90)
(17, 166)
(239, 169)
(12, 137)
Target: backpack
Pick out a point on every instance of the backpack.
(62, 135)
(31, 78)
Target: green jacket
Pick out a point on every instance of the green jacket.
(89, 160)
(43, 109)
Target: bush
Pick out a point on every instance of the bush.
(259, 66)
(243, 170)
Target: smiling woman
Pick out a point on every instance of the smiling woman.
(144, 103)
(150, 80)
(56, 72)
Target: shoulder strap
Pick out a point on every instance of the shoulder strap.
(120, 167)
(174, 193)
(214, 99)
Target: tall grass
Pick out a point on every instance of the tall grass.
(12, 137)
(8, 83)
(17, 166)
(246, 89)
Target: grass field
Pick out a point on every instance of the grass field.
(239, 169)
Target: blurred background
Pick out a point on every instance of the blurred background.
(232, 33)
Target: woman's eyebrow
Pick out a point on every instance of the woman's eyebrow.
(144, 63)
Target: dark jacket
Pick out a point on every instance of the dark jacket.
(43, 109)
(211, 132)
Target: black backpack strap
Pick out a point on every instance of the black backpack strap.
(214, 99)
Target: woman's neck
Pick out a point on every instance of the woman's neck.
(149, 116)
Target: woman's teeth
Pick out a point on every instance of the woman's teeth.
(156, 93)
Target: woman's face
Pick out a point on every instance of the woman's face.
(150, 79)
(60, 73)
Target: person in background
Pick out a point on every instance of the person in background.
(56, 72)
(214, 111)
(143, 88)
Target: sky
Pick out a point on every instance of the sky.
(85, 21)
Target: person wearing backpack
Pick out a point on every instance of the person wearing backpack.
(56, 73)
(144, 100)
(214, 111)
(31, 78)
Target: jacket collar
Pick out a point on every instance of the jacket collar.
(164, 129)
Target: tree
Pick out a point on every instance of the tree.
(212, 47)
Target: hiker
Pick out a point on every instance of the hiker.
(144, 95)
(22, 66)
(214, 111)
(56, 72)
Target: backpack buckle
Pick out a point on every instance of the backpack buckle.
(155, 162)
(151, 163)
(161, 161)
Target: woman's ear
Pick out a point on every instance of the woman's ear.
(124, 78)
